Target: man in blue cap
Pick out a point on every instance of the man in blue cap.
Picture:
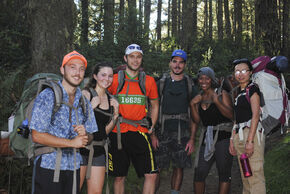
(176, 130)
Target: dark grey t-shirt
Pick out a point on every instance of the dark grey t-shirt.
(176, 100)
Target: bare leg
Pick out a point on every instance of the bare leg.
(176, 179)
(96, 181)
(199, 187)
(224, 187)
(149, 183)
(157, 184)
(119, 185)
(83, 171)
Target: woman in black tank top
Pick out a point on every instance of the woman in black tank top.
(106, 110)
(215, 111)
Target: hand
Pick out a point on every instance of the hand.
(249, 149)
(232, 149)
(215, 97)
(189, 147)
(155, 141)
(95, 101)
(80, 129)
(115, 104)
(80, 141)
(197, 99)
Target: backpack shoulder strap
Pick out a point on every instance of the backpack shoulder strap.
(142, 82)
(189, 85)
(121, 81)
(162, 83)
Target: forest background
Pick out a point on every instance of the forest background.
(36, 34)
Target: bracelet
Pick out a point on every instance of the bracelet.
(251, 141)
(231, 138)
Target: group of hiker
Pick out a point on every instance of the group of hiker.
(128, 117)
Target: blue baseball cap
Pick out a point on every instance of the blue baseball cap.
(179, 53)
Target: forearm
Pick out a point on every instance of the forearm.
(154, 111)
(112, 124)
(50, 140)
(193, 129)
(194, 113)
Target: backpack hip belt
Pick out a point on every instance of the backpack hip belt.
(143, 122)
(181, 116)
(220, 127)
(241, 126)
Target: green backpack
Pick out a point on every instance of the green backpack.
(20, 140)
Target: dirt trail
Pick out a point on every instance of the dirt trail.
(211, 181)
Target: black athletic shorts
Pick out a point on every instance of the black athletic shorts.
(136, 148)
(42, 180)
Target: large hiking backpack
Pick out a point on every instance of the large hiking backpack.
(22, 146)
(274, 98)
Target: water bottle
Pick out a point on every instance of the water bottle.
(245, 165)
(23, 129)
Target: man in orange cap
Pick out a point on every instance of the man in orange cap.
(66, 130)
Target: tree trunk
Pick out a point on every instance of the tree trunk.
(179, 21)
(109, 22)
(205, 25)
(52, 28)
(187, 24)
(238, 12)
(210, 20)
(121, 29)
(285, 29)
(268, 23)
(147, 11)
(220, 19)
(174, 18)
(194, 19)
(158, 28)
(227, 19)
(132, 21)
(85, 23)
(169, 19)
(140, 19)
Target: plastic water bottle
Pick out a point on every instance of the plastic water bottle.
(246, 165)
(23, 129)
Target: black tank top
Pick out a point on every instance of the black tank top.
(212, 117)
(102, 121)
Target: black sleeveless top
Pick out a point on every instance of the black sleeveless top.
(212, 117)
(102, 121)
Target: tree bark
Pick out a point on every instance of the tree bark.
(109, 22)
(210, 20)
(140, 19)
(238, 18)
(227, 19)
(52, 33)
(194, 19)
(205, 25)
(174, 18)
(158, 28)
(84, 23)
(220, 19)
(147, 12)
(132, 21)
(285, 29)
(268, 24)
(169, 19)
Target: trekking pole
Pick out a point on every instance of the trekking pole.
(10, 167)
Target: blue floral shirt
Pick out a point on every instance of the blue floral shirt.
(60, 125)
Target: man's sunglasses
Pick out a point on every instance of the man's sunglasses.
(134, 47)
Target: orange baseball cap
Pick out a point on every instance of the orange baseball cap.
(74, 55)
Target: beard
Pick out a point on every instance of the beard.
(70, 82)
(177, 73)
(132, 69)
